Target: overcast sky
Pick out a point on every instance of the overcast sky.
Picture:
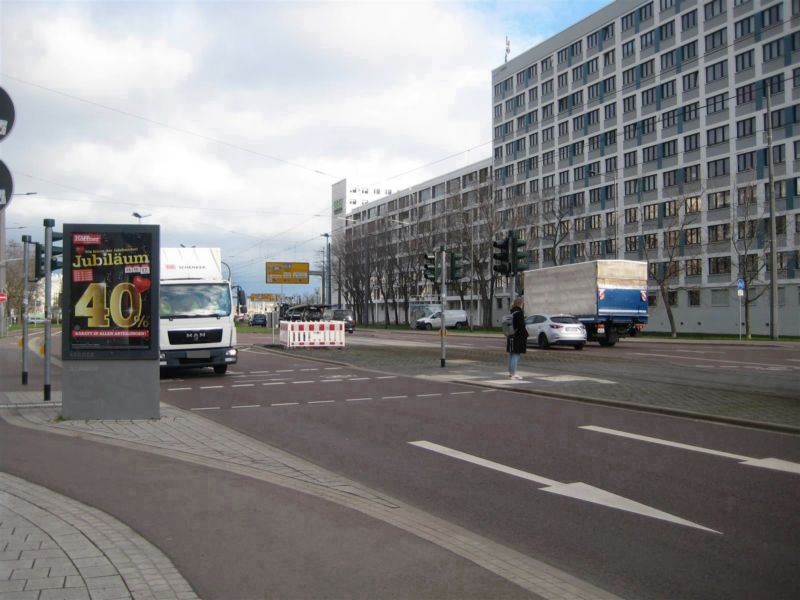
(227, 122)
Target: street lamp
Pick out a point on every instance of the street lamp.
(3, 322)
(140, 217)
(326, 270)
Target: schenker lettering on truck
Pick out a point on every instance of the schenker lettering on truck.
(196, 310)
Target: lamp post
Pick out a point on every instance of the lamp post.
(326, 270)
(140, 216)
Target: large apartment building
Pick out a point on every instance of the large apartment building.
(641, 132)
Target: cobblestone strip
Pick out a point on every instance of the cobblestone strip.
(55, 548)
(197, 440)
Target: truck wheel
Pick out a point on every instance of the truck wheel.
(607, 341)
(459, 325)
(220, 369)
(543, 341)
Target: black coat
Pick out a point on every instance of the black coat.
(517, 343)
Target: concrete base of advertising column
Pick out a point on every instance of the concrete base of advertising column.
(110, 389)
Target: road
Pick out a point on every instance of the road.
(640, 504)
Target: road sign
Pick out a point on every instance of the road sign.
(287, 272)
(6, 114)
(6, 186)
(740, 284)
(3, 297)
(740, 292)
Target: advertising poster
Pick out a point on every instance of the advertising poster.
(110, 292)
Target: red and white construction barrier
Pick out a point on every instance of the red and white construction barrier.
(312, 334)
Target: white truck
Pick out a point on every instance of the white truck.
(608, 296)
(196, 310)
(452, 318)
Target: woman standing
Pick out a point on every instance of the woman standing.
(517, 343)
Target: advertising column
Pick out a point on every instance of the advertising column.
(110, 322)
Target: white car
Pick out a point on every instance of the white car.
(452, 318)
(563, 330)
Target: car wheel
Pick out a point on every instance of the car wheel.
(458, 325)
(578, 346)
(543, 341)
(428, 326)
(220, 369)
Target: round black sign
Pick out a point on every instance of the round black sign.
(6, 186)
(6, 114)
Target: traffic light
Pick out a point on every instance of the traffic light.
(519, 256)
(38, 261)
(56, 252)
(502, 257)
(429, 269)
(455, 270)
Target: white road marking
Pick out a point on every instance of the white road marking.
(285, 404)
(178, 389)
(243, 385)
(776, 464)
(260, 372)
(392, 397)
(331, 380)
(246, 406)
(459, 393)
(321, 401)
(387, 377)
(332, 368)
(314, 369)
(701, 351)
(569, 378)
(577, 490)
(356, 399)
(359, 379)
(275, 383)
(207, 408)
(720, 360)
(211, 387)
(306, 381)
(285, 371)
(427, 395)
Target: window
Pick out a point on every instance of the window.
(609, 85)
(629, 77)
(547, 63)
(694, 266)
(668, 89)
(668, 60)
(648, 96)
(629, 49)
(562, 80)
(594, 91)
(647, 69)
(665, 4)
(650, 212)
(650, 153)
(671, 178)
(745, 161)
(671, 239)
(692, 236)
(714, 8)
(718, 233)
(592, 39)
(651, 241)
(669, 118)
(717, 168)
(771, 16)
(629, 104)
(718, 265)
(547, 87)
(646, 12)
(533, 139)
(610, 111)
(649, 183)
(693, 205)
(689, 51)
(691, 173)
(689, 20)
(690, 111)
(717, 103)
(608, 58)
(745, 94)
(745, 127)
(630, 159)
(743, 28)
(563, 128)
(772, 50)
(744, 61)
(719, 199)
(716, 39)
(632, 243)
(628, 21)
(647, 39)
(631, 215)
(631, 187)
(667, 30)
(648, 125)
(693, 296)
(717, 135)
(630, 131)
(690, 81)
(717, 71)
(669, 148)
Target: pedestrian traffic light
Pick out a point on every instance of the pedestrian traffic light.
(455, 272)
(519, 256)
(502, 257)
(56, 252)
(429, 269)
(38, 261)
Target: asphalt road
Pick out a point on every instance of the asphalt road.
(675, 512)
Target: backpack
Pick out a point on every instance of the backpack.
(508, 325)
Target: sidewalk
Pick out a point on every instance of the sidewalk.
(238, 518)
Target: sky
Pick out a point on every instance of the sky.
(226, 123)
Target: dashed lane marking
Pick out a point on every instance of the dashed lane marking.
(356, 399)
(392, 397)
(359, 379)
(243, 385)
(275, 383)
(387, 377)
(180, 389)
(285, 404)
(211, 387)
(246, 406)
(321, 401)
(314, 369)
(460, 393)
(427, 395)
(306, 381)
(206, 408)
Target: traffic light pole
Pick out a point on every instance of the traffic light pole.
(48, 303)
(26, 240)
(444, 305)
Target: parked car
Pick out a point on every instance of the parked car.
(452, 318)
(259, 320)
(563, 330)
(341, 314)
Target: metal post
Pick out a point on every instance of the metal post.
(328, 262)
(3, 322)
(48, 303)
(773, 232)
(444, 305)
(26, 239)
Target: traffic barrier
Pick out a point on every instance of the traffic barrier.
(312, 334)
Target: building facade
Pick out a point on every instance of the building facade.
(658, 130)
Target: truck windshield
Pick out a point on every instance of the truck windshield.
(195, 300)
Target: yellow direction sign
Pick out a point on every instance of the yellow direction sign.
(287, 272)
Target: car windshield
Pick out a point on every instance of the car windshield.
(341, 315)
(183, 301)
(567, 320)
